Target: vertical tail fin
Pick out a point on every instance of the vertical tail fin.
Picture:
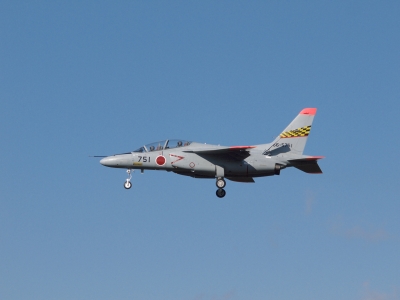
(294, 137)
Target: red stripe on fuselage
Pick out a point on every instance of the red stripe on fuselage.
(241, 147)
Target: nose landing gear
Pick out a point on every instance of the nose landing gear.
(128, 183)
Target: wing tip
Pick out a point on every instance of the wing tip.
(315, 157)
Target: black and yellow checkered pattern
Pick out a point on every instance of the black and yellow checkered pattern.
(303, 131)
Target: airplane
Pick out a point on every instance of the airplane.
(236, 163)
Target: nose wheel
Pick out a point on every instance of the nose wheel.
(128, 183)
(221, 193)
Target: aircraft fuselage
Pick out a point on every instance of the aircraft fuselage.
(195, 164)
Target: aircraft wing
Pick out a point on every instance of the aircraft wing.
(236, 152)
(241, 179)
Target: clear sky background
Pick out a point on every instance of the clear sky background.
(82, 78)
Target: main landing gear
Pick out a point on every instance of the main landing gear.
(221, 193)
(128, 183)
(220, 185)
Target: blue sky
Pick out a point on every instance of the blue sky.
(98, 78)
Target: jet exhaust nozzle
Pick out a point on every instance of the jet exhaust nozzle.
(278, 169)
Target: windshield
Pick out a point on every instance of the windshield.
(156, 146)
(140, 150)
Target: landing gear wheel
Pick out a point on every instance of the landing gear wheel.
(221, 193)
(220, 183)
(127, 185)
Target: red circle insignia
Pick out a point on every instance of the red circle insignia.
(160, 160)
(192, 165)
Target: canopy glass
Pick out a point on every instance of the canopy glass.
(163, 145)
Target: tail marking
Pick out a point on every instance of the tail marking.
(299, 132)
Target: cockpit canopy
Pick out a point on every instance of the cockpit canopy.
(163, 145)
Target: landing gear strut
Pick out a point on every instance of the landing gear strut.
(128, 183)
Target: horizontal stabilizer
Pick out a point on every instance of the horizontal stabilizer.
(311, 168)
(308, 165)
(241, 179)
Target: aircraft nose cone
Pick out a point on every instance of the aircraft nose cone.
(108, 161)
(117, 161)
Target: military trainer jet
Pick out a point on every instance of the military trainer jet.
(236, 163)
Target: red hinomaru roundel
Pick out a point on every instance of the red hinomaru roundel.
(160, 160)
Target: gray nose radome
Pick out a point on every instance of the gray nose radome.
(116, 161)
(111, 161)
(106, 161)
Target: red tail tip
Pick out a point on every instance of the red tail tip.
(309, 111)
